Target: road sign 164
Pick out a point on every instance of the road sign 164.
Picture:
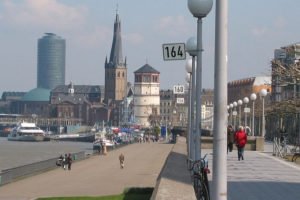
(174, 51)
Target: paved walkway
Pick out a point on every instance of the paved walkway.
(261, 176)
(96, 176)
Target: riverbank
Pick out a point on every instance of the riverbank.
(16, 153)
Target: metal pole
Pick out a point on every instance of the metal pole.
(253, 118)
(263, 118)
(240, 112)
(189, 119)
(219, 181)
(198, 90)
(193, 81)
(245, 115)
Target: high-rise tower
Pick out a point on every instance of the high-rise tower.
(115, 68)
(51, 61)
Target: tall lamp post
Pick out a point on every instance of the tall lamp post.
(231, 112)
(234, 114)
(263, 93)
(188, 79)
(253, 98)
(240, 103)
(219, 180)
(246, 101)
(199, 9)
(191, 48)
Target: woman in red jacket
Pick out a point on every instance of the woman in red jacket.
(240, 141)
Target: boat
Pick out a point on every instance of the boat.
(97, 144)
(25, 131)
(75, 137)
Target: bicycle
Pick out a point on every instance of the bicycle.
(199, 175)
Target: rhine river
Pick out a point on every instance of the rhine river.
(16, 153)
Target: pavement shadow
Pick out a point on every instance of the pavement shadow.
(263, 190)
(175, 168)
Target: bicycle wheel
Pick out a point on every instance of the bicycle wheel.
(204, 192)
(197, 186)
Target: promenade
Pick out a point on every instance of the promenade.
(259, 177)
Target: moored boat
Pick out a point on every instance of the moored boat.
(25, 131)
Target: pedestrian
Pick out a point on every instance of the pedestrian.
(69, 161)
(230, 138)
(121, 159)
(65, 161)
(240, 141)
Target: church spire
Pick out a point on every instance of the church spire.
(116, 56)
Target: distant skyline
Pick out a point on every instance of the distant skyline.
(256, 29)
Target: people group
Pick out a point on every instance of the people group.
(239, 138)
(65, 161)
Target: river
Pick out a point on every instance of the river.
(16, 153)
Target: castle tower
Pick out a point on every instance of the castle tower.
(115, 68)
(146, 94)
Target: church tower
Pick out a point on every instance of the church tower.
(115, 68)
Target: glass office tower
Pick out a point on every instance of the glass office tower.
(51, 61)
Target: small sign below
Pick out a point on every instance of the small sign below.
(174, 51)
(180, 100)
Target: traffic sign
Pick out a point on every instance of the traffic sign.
(180, 100)
(178, 89)
(174, 51)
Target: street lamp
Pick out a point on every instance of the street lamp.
(253, 98)
(199, 9)
(240, 103)
(262, 94)
(191, 48)
(231, 110)
(234, 114)
(246, 101)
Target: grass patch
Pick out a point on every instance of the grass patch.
(128, 194)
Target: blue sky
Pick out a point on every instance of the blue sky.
(256, 28)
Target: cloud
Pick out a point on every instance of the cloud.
(42, 13)
(259, 31)
(172, 25)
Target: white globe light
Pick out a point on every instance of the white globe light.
(231, 105)
(235, 104)
(200, 8)
(253, 96)
(189, 65)
(246, 100)
(263, 93)
(188, 77)
(240, 102)
(191, 46)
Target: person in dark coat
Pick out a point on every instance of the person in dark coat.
(230, 138)
(69, 161)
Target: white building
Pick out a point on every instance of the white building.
(146, 95)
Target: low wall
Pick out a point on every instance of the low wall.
(174, 181)
(253, 143)
(10, 175)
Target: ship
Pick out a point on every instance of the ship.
(25, 131)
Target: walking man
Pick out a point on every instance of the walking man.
(121, 159)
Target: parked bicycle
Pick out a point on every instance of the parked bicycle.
(200, 171)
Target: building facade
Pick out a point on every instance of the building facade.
(51, 61)
(146, 95)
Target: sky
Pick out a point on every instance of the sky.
(255, 29)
